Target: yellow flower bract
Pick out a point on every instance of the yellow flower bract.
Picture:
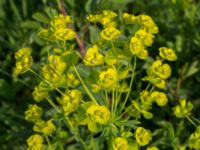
(108, 79)
(35, 142)
(120, 143)
(24, 60)
(98, 114)
(93, 57)
(110, 33)
(152, 148)
(160, 98)
(161, 70)
(70, 100)
(33, 113)
(44, 127)
(184, 109)
(143, 136)
(167, 53)
(194, 139)
(60, 21)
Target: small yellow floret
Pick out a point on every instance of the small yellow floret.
(110, 33)
(33, 113)
(98, 114)
(93, 57)
(35, 142)
(120, 143)
(23, 60)
(184, 109)
(167, 53)
(143, 136)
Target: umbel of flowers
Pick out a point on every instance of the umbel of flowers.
(99, 103)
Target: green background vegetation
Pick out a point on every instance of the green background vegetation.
(20, 21)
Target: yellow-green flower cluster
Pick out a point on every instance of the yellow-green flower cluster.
(59, 29)
(143, 136)
(144, 36)
(105, 18)
(167, 53)
(184, 109)
(158, 73)
(33, 113)
(145, 21)
(160, 98)
(108, 79)
(161, 70)
(93, 57)
(35, 142)
(139, 42)
(152, 148)
(110, 32)
(54, 71)
(45, 127)
(59, 26)
(149, 97)
(194, 140)
(148, 24)
(120, 143)
(145, 105)
(96, 115)
(71, 80)
(24, 60)
(130, 19)
(70, 101)
(41, 91)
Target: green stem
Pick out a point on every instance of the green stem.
(84, 86)
(192, 122)
(106, 99)
(48, 141)
(35, 73)
(117, 100)
(195, 119)
(114, 50)
(52, 104)
(76, 134)
(148, 86)
(32, 71)
(131, 83)
(113, 103)
(122, 114)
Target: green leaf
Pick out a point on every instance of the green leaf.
(129, 123)
(93, 77)
(192, 69)
(30, 24)
(94, 33)
(92, 126)
(41, 17)
(110, 58)
(123, 72)
(127, 134)
(168, 126)
(71, 58)
(46, 35)
(88, 5)
(6, 91)
(114, 130)
(132, 145)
